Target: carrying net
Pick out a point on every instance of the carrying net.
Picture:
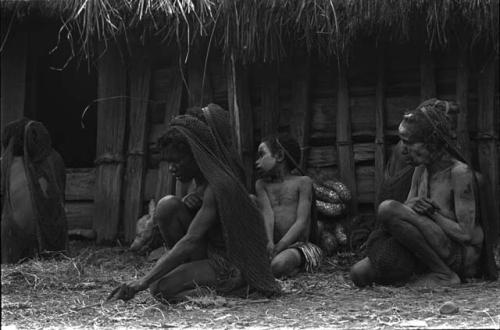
(45, 174)
(242, 223)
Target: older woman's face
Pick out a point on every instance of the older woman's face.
(415, 152)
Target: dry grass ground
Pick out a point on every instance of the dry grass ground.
(70, 292)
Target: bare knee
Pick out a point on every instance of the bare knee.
(387, 211)
(166, 207)
(362, 273)
(286, 262)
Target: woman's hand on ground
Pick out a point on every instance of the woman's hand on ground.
(127, 291)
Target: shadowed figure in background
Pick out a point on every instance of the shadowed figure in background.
(219, 244)
(33, 183)
(286, 201)
(438, 230)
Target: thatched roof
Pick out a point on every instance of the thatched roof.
(265, 29)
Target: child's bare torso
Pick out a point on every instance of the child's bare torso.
(284, 199)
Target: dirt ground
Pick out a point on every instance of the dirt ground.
(70, 292)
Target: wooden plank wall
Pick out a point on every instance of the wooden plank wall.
(371, 96)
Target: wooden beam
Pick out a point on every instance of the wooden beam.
(427, 75)
(270, 117)
(140, 77)
(300, 123)
(347, 168)
(240, 111)
(487, 137)
(13, 78)
(199, 83)
(462, 90)
(166, 182)
(111, 120)
(380, 158)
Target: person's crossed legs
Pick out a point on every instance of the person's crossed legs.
(287, 262)
(423, 237)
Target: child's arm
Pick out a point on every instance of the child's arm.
(266, 209)
(301, 224)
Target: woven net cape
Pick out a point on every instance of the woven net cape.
(242, 223)
(219, 123)
(40, 161)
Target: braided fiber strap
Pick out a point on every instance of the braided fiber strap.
(242, 222)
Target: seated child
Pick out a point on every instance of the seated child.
(285, 201)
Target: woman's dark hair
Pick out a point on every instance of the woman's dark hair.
(173, 140)
(278, 142)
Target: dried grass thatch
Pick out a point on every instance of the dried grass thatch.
(266, 29)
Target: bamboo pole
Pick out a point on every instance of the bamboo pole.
(270, 117)
(462, 90)
(380, 158)
(487, 137)
(199, 83)
(111, 120)
(347, 168)
(140, 77)
(166, 182)
(427, 76)
(300, 125)
(13, 78)
(240, 111)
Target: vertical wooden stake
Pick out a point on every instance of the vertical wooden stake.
(380, 121)
(240, 111)
(111, 120)
(13, 78)
(487, 139)
(140, 77)
(166, 182)
(300, 123)
(347, 168)
(270, 117)
(462, 87)
(200, 90)
(427, 76)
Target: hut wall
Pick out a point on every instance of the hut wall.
(404, 72)
(376, 93)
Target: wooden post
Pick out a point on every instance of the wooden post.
(200, 88)
(347, 168)
(240, 111)
(111, 120)
(462, 87)
(380, 121)
(487, 139)
(166, 182)
(270, 117)
(140, 77)
(427, 76)
(300, 123)
(13, 78)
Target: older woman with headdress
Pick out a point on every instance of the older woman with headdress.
(437, 231)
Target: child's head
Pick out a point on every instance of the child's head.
(278, 148)
(175, 149)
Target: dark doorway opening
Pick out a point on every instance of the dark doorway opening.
(63, 91)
